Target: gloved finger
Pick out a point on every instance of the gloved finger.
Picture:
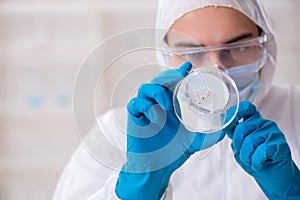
(274, 150)
(245, 110)
(184, 68)
(139, 108)
(156, 94)
(251, 145)
(241, 131)
(263, 156)
(170, 78)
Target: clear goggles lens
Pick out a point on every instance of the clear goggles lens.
(226, 56)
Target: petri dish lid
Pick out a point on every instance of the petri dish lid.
(201, 100)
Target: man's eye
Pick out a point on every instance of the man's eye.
(240, 49)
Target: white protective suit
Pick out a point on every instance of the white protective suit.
(217, 176)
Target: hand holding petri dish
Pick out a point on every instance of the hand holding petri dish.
(201, 100)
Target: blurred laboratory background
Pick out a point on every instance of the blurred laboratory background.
(42, 46)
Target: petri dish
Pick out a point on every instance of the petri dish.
(202, 99)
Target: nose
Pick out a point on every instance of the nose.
(216, 60)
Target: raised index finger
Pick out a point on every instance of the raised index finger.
(170, 78)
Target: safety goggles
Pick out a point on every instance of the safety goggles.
(225, 56)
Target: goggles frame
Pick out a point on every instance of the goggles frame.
(260, 41)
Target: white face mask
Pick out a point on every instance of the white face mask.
(247, 81)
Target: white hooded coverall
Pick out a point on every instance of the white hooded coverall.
(217, 176)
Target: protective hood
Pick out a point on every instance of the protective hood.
(171, 10)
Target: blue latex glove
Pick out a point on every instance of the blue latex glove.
(157, 143)
(262, 151)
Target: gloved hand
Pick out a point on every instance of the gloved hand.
(157, 143)
(262, 151)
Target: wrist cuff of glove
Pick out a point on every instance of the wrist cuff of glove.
(147, 186)
(285, 186)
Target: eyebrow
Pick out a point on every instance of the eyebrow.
(231, 40)
(239, 37)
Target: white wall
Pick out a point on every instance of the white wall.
(43, 44)
(285, 17)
